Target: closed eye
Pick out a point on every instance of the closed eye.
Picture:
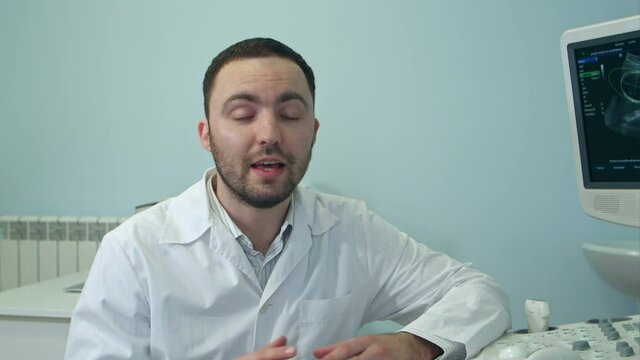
(242, 113)
(291, 111)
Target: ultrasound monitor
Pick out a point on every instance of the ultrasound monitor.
(602, 77)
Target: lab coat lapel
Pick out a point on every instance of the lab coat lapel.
(296, 249)
(310, 219)
(223, 242)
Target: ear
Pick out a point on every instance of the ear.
(316, 125)
(204, 134)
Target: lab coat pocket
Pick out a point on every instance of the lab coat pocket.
(323, 322)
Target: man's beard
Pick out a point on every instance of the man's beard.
(236, 176)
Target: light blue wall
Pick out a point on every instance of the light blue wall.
(449, 118)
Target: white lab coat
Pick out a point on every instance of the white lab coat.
(172, 283)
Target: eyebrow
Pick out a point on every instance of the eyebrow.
(290, 95)
(286, 96)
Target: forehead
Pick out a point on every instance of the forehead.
(264, 76)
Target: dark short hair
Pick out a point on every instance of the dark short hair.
(253, 48)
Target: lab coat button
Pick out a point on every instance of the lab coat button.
(264, 308)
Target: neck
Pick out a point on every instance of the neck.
(261, 226)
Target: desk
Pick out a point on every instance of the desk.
(34, 319)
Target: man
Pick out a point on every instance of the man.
(247, 264)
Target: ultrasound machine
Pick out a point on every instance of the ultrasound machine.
(602, 77)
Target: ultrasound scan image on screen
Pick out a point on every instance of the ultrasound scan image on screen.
(606, 77)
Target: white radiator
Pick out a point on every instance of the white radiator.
(37, 248)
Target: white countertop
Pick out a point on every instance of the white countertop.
(43, 299)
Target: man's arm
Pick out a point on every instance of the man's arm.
(111, 319)
(436, 297)
(401, 346)
(465, 312)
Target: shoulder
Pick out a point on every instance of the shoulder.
(148, 220)
(337, 213)
(142, 229)
(178, 220)
(336, 204)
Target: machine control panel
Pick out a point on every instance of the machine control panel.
(607, 339)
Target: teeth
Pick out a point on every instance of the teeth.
(268, 163)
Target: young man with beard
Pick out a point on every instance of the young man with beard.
(248, 264)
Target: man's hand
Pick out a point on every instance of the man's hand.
(401, 345)
(275, 350)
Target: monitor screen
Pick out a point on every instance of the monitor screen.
(605, 75)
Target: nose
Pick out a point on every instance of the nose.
(268, 130)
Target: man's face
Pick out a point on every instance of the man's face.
(261, 129)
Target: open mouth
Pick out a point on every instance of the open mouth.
(268, 166)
